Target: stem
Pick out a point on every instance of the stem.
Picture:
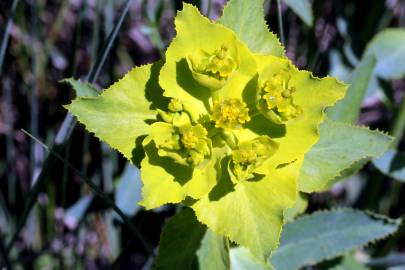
(8, 115)
(280, 22)
(397, 131)
(215, 95)
(64, 133)
(399, 125)
(65, 175)
(34, 91)
(370, 194)
(209, 8)
(229, 139)
(4, 255)
(10, 147)
(95, 71)
(6, 34)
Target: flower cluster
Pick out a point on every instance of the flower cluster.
(223, 128)
(275, 98)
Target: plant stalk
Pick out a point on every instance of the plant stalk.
(280, 22)
(4, 256)
(6, 34)
(399, 125)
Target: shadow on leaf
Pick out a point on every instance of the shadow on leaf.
(249, 94)
(153, 91)
(182, 174)
(137, 153)
(224, 185)
(185, 79)
(262, 126)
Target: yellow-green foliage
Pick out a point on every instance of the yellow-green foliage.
(224, 122)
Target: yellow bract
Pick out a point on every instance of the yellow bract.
(233, 135)
(204, 58)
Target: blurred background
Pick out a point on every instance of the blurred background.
(51, 219)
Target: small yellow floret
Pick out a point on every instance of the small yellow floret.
(247, 157)
(278, 96)
(230, 113)
(175, 105)
(189, 139)
(221, 64)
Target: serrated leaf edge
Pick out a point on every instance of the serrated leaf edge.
(103, 91)
(338, 174)
(396, 222)
(267, 27)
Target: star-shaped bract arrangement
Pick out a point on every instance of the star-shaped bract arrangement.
(221, 128)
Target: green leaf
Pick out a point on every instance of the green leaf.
(348, 109)
(118, 116)
(246, 19)
(213, 253)
(325, 235)
(339, 146)
(387, 46)
(250, 213)
(179, 242)
(346, 173)
(392, 164)
(186, 244)
(82, 89)
(241, 259)
(303, 9)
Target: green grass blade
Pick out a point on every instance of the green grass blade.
(6, 34)
(4, 256)
(95, 70)
(280, 22)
